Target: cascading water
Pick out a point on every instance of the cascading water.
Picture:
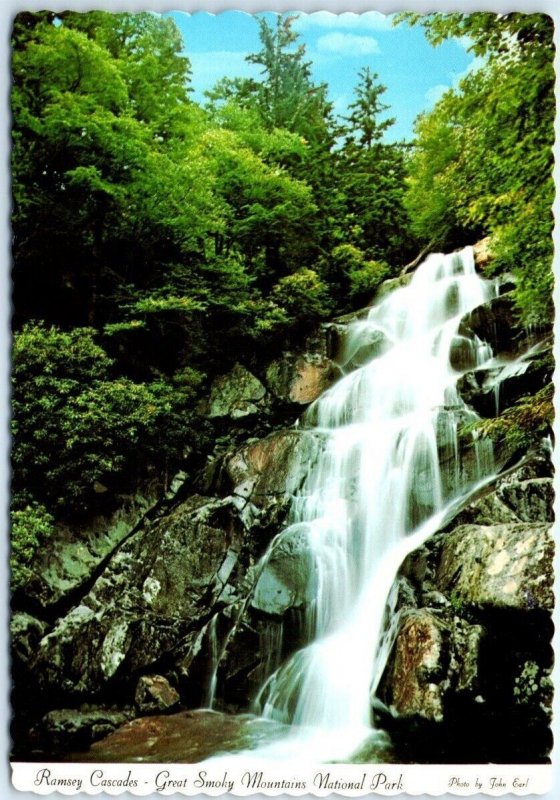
(387, 468)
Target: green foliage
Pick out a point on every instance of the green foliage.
(365, 280)
(483, 157)
(31, 528)
(371, 177)
(101, 427)
(524, 424)
(297, 300)
(353, 275)
(148, 231)
(302, 294)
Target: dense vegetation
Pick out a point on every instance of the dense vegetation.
(149, 230)
(483, 157)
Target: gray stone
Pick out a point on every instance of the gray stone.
(530, 500)
(235, 394)
(267, 472)
(495, 322)
(70, 729)
(147, 599)
(286, 578)
(71, 559)
(300, 378)
(433, 657)
(26, 632)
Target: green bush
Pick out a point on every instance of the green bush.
(299, 299)
(31, 528)
(355, 277)
(365, 280)
(74, 423)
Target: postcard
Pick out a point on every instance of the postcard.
(282, 496)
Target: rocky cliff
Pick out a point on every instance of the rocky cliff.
(167, 603)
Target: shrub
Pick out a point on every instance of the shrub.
(74, 423)
(31, 527)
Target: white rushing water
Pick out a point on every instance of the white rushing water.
(386, 471)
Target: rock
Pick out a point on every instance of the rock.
(433, 656)
(482, 253)
(496, 502)
(300, 378)
(68, 729)
(145, 602)
(154, 693)
(267, 472)
(360, 344)
(495, 322)
(492, 389)
(184, 737)
(391, 284)
(285, 580)
(500, 566)
(415, 671)
(26, 632)
(530, 500)
(72, 559)
(235, 394)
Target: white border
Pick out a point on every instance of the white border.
(421, 780)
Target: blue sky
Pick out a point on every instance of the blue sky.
(414, 72)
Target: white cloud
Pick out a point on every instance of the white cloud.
(475, 64)
(347, 44)
(464, 41)
(434, 94)
(370, 20)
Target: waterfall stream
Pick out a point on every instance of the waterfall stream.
(388, 466)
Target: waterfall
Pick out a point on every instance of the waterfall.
(388, 467)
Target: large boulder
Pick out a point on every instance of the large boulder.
(159, 586)
(499, 385)
(155, 694)
(235, 395)
(495, 322)
(434, 655)
(263, 475)
(68, 729)
(300, 378)
(472, 647)
(500, 566)
(285, 578)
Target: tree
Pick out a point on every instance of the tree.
(483, 157)
(372, 176)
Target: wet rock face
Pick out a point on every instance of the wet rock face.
(263, 476)
(68, 729)
(471, 661)
(434, 655)
(70, 561)
(495, 323)
(185, 737)
(286, 580)
(500, 385)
